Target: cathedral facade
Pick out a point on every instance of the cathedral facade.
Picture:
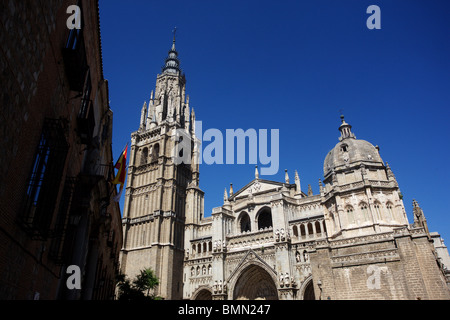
(270, 240)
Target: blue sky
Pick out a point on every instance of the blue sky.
(292, 66)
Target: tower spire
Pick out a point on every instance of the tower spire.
(174, 31)
(345, 130)
(172, 64)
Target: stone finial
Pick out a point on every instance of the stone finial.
(225, 195)
(389, 172)
(310, 192)
(143, 115)
(286, 176)
(298, 188)
(256, 172)
(231, 189)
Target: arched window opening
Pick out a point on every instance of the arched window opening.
(264, 218)
(350, 215)
(310, 229)
(155, 152)
(364, 211)
(390, 211)
(245, 225)
(302, 231)
(144, 156)
(318, 228)
(295, 231)
(377, 211)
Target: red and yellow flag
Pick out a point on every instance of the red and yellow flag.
(121, 165)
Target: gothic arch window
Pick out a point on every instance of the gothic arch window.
(302, 231)
(390, 210)
(144, 156)
(155, 152)
(318, 229)
(377, 207)
(210, 246)
(244, 222)
(310, 229)
(295, 231)
(364, 211)
(350, 215)
(264, 217)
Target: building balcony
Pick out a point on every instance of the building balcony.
(86, 121)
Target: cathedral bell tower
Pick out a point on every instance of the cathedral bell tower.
(155, 200)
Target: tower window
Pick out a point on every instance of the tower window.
(155, 153)
(350, 215)
(144, 156)
(344, 148)
(245, 222)
(264, 218)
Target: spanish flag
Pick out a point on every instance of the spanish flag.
(121, 165)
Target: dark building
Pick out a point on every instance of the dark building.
(56, 207)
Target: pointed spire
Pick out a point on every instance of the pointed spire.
(389, 172)
(298, 188)
(320, 186)
(256, 172)
(310, 192)
(286, 176)
(174, 38)
(192, 122)
(153, 122)
(143, 115)
(231, 189)
(345, 130)
(419, 217)
(172, 64)
(225, 195)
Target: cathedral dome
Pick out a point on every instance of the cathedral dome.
(350, 150)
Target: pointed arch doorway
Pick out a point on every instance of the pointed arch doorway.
(255, 283)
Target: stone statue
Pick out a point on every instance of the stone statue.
(293, 284)
(287, 280)
(297, 256)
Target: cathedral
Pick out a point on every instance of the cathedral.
(270, 240)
